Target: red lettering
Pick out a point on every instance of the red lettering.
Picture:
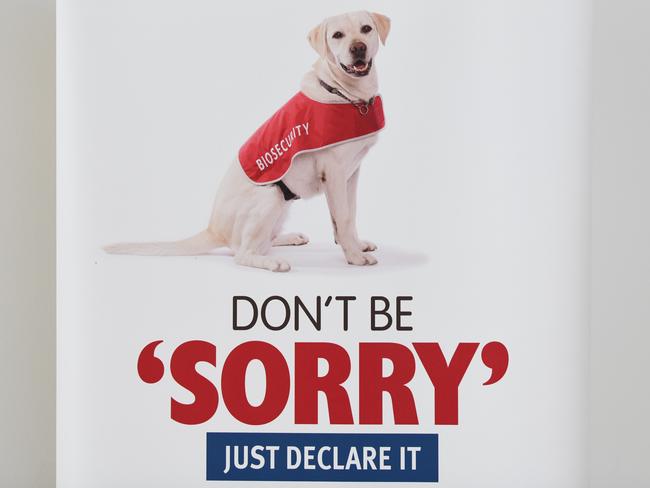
(183, 368)
(150, 368)
(233, 383)
(495, 357)
(308, 383)
(372, 382)
(445, 378)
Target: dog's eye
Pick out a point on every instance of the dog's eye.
(337, 35)
(365, 29)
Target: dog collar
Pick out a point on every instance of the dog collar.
(362, 106)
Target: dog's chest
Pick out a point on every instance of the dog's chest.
(309, 171)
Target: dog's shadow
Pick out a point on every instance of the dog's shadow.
(325, 258)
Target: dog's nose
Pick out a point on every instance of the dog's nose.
(358, 49)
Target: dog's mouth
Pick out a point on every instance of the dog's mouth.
(358, 68)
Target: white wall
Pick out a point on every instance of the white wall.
(27, 247)
(620, 325)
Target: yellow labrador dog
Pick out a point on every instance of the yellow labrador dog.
(247, 217)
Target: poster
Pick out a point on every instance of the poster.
(450, 355)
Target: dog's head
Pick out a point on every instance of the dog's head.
(350, 41)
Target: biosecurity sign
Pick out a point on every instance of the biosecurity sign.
(305, 456)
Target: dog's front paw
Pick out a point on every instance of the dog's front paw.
(366, 246)
(361, 259)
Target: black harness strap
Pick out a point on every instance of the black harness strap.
(286, 192)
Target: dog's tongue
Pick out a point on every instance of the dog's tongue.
(359, 66)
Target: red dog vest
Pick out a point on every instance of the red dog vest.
(303, 125)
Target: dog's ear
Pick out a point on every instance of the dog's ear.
(382, 23)
(317, 39)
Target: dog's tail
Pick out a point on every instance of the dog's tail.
(201, 243)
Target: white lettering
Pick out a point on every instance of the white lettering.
(369, 455)
(335, 458)
(321, 463)
(309, 457)
(227, 460)
(384, 457)
(278, 149)
(240, 464)
(353, 459)
(293, 451)
(414, 456)
(272, 450)
(255, 454)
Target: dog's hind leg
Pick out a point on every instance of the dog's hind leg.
(246, 258)
(293, 239)
(253, 249)
(260, 224)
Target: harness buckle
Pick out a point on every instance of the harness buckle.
(362, 107)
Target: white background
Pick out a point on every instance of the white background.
(621, 80)
(476, 195)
